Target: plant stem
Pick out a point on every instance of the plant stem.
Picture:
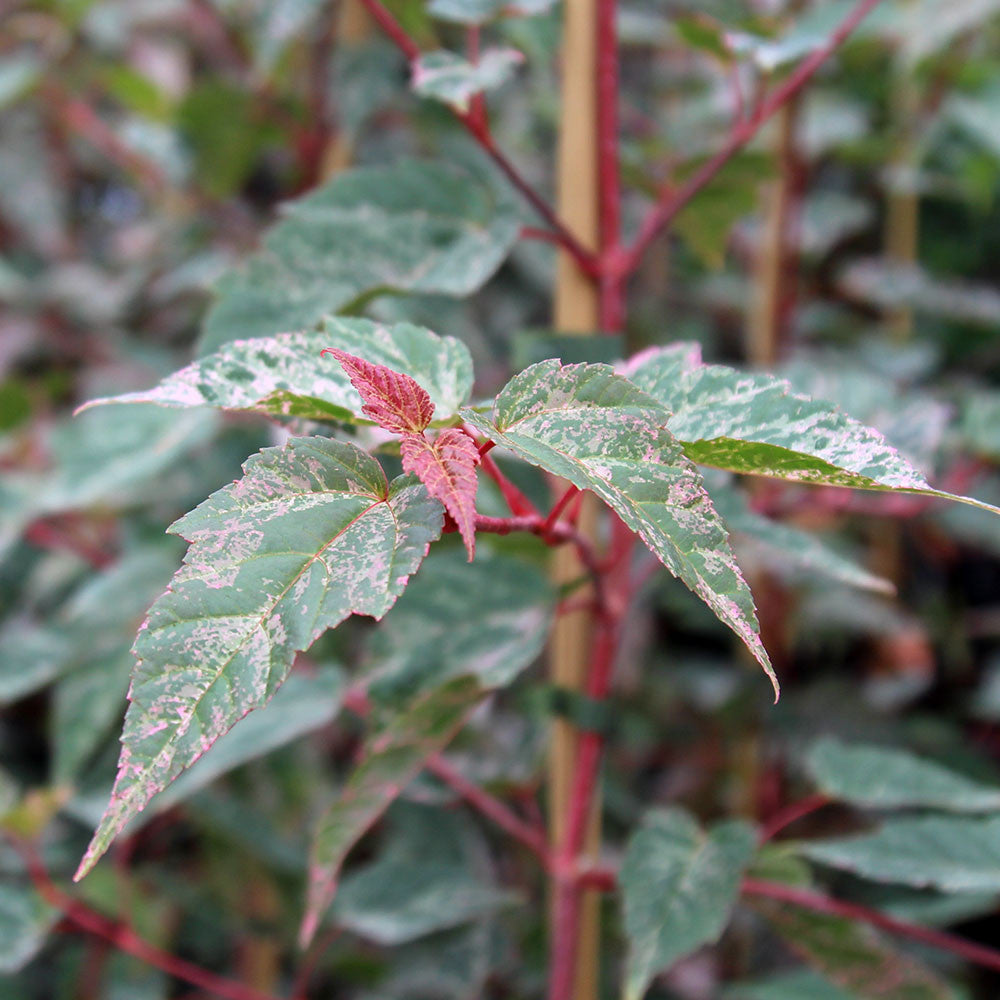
(977, 954)
(792, 814)
(124, 938)
(478, 129)
(742, 132)
(491, 807)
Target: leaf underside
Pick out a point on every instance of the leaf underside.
(755, 424)
(284, 375)
(597, 430)
(311, 534)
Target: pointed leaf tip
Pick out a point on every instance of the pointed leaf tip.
(447, 467)
(393, 400)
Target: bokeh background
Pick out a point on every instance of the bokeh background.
(144, 147)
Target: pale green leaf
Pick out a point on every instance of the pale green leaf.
(679, 884)
(756, 424)
(410, 227)
(596, 429)
(311, 534)
(451, 79)
(852, 955)
(25, 921)
(392, 757)
(480, 11)
(948, 853)
(801, 985)
(889, 778)
(493, 633)
(285, 375)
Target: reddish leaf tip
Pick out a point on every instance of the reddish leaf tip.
(395, 401)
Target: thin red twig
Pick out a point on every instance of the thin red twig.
(978, 954)
(491, 807)
(792, 814)
(516, 500)
(560, 505)
(479, 131)
(124, 938)
(667, 209)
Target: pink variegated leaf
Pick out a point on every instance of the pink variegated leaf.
(393, 400)
(447, 467)
(312, 533)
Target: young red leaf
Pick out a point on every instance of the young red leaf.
(447, 467)
(393, 400)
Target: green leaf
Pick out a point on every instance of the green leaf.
(948, 853)
(852, 955)
(788, 986)
(784, 546)
(493, 633)
(888, 778)
(25, 921)
(411, 227)
(304, 704)
(594, 428)
(680, 884)
(311, 534)
(447, 77)
(423, 883)
(394, 755)
(756, 424)
(480, 11)
(285, 376)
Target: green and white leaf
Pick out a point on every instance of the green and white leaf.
(493, 633)
(449, 78)
(285, 375)
(596, 429)
(799, 985)
(782, 546)
(480, 11)
(948, 853)
(853, 956)
(679, 885)
(889, 778)
(311, 534)
(410, 227)
(394, 754)
(25, 921)
(756, 424)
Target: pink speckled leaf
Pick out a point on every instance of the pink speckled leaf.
(447, 467)
(596, 429)
(393, 400)
(393, 756)
(311, 534)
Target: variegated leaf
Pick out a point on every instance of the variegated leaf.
(394, 755)
(594, 428)
(393, 400)
(410, 227)
(451, 79)
(756, 424)
(447, 467)
(311, 534)
(284, 375)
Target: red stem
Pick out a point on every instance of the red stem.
(480, 132)
(977, 954)
(792, 814)
(491, 807)
(122, 937)
(517, 502)
(560, 505)
(743, 131)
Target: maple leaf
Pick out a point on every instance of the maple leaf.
(447, 467)
(393, 400)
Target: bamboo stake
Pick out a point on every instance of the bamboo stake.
(576, 310)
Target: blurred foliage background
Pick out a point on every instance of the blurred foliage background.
(143, 147)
